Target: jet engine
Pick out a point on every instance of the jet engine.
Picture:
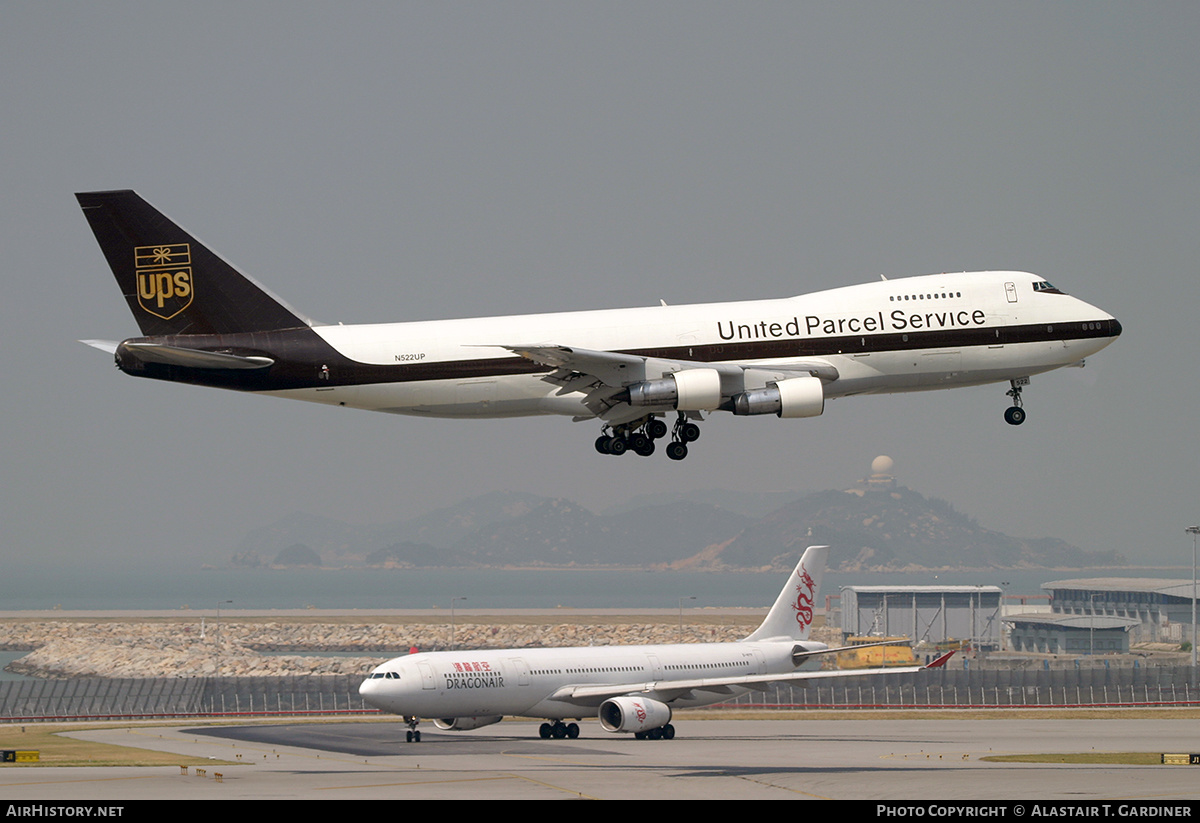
(795, 397)
(464, 724)
(688, 390)
(633, 714)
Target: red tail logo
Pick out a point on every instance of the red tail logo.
(805, 598)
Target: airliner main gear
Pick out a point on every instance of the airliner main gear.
(638, 437)
(666, 732)
(558, 730)
(685, 430)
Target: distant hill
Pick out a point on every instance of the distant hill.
(890, 527)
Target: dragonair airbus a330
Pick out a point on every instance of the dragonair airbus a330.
(629, 688)
(630, 369)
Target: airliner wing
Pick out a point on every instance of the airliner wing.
(612, 368)
(668, 690)
(601, 375)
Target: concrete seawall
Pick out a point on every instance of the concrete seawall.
(185, 648)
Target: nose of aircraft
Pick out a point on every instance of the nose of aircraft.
(373, 692)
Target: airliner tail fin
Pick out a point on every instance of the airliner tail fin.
(792, 615)
(174, 284)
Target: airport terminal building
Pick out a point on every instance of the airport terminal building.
(1102, 615)
(1155, 610)
(1055, 633)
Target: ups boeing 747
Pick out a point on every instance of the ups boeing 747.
(631, 369)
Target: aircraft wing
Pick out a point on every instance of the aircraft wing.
(668, 690)
(602, 375)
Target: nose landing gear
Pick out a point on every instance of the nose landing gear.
(1014, 415)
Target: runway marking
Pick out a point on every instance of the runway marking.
(552, 787)
(782, 788)
(96, 779)
(665, 770)
(948, 757)
(550, 758)
(517, 777)
(283, 749)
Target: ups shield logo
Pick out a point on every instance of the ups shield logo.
(164, 278)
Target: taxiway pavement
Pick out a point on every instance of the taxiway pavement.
(934, 759)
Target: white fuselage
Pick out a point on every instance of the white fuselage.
(522, 682)
(910, 334)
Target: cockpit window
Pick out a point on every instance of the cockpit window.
(1045, 288)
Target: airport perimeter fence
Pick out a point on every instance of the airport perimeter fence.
(298, 696)
(1101, 687)
(96, 698)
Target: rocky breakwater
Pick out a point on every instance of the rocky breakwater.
(63, 649)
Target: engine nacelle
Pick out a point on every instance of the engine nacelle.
(633, 714)
(795, 397)
(689, 390)
(464, 724)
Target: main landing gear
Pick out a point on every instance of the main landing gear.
(413, 736)
(558, 730)
(666, 732)
(1014, 415)
(639, 437)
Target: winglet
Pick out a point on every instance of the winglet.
(941, 661)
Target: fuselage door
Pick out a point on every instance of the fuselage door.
(1010, 291)
(427, 677)
(656, 669)
(520, 669)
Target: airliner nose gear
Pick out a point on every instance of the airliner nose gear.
(1014, 415)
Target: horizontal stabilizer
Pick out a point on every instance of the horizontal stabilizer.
(109, 346)
(192, 358)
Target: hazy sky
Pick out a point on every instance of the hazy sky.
(377, 161)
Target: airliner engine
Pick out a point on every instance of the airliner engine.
(795, 397)
(633, 714)
(464, 724)
(688, 390)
